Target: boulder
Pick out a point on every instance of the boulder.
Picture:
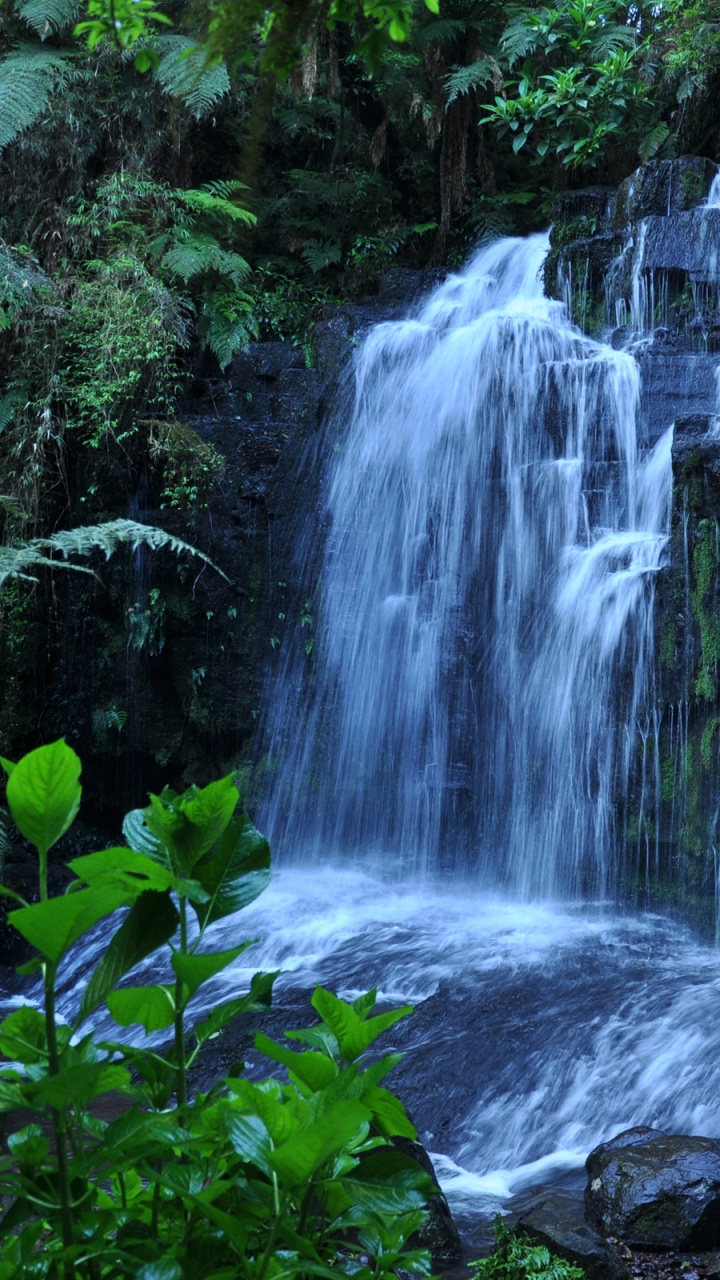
(656, 1191)
(556, 1219)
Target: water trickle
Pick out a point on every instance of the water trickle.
(485, 635)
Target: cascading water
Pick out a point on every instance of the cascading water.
(484, 653)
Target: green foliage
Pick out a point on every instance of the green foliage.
(23, 560)
(579, 90)
(28, 76)
(518, 1258)
(253, 1180)
(182, 72)
(46, 17)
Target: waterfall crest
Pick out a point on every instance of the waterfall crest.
(484, 627)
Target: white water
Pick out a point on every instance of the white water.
(481, 675)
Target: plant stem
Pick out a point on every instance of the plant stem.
(181, 1088)
(58, 1119)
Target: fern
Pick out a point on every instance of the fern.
(653, 141)
(21, 561)
(612, 38)
(193, 254)
(215, 199)
(184, 74)
(518, 39)
(227, 323)
(464, 79)
(27, 78)
(442, 29)
(319, 254)
(48, 16)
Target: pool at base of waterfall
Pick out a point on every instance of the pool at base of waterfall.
(539, 1030)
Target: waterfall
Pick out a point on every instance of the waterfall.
(481, 678)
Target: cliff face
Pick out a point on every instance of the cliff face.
(640, 267)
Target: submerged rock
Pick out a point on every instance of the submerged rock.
(656, 1191)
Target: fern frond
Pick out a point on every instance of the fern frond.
(27, 78)
(441, 30)
(194, 255)
(183, 74)
(319, 254)
(23, 561)
(227, 323)
(207, 200)
(612, 38)
(518, 39)
(653, 141)
(48, 16)
(464, 79)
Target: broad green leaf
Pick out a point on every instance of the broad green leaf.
(152, 921)
(125, 866)
(51, 927)
(30, 1145)
(387, 1181)
(344, 1124)
(365, 1003)
(43, 793)
(80, 1084)
(389, 1114)
(193, 970)
(163, 1268)
(354, 1034)
(236, 872)
(313, 1070)
(140, 837)
(7, 765)
(257, 1000)
(152, 1007)
(283, 1118)
(189, 825)
(23, 1037)
(250, 1139)
(13, 1094)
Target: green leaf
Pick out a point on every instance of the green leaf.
(354, 1034)
(236, 872)
(43, 793)
(343, 1125)
(193, 970)
(190, 824)
(125, 867)
(51, 927)
(257, 1000)
(23, 1037)
(140, 837)
(250, 1139)
(7, 765)
(152, 921)
(162, 1269)
(152, 1007)
(29, 1145)
(389, 1114)
(314, 1070)
(388, 1182)
(80, 1084)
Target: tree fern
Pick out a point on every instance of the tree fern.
(183, 74)
(653, 141)
(27, 78)
(442, 29)
(463, 79)
(518, 39)
(193, 254)
(22, 561)
(227, 323)
(48, 16)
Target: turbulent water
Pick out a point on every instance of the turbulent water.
(483, 664)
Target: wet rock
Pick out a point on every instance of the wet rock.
(557, 1220)
(663, 187)
(696, 445)
(656, 1191)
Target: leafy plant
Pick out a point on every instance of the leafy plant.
(518, 1258)
(252, 1180)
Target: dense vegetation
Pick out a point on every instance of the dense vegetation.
(178, 180)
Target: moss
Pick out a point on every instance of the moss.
(705, 608)
(692, 185)
(188, 463)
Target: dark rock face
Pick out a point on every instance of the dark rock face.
(656, 1191)
(556, 1220)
